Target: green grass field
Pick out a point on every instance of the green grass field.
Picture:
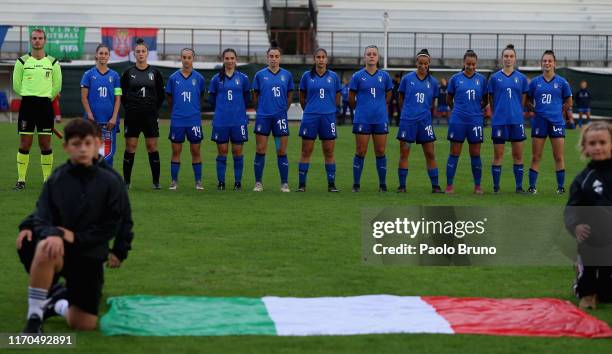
(211, 243)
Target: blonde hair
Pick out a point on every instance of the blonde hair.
(593, 127)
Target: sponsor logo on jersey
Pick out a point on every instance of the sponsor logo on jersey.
(598, 187)
(133, 76)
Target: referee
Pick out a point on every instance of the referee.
(37, 78)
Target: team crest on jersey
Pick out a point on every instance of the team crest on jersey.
(110, 79)
(598, 187)
(237, 82)
(151, 77)
(379, 78)
(516, 80)
(329, 80)
(193, 82)
(283, 78)
(47, 74)
(556, 85)
(428, 85)
(477, 82)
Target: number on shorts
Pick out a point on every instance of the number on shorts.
(103, 91)
(276, 91)
(429, 130)
(333, 127)
(242, 130)
(282, 124)
(477, 131)
(522, 129)
(197, 131)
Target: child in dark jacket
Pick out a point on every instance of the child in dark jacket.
(588, 216)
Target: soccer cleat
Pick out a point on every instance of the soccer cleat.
(173, 186)
(156, 186)
(20, 185)
(285, 188)
(437, 190)
(58, 292)
(199, 186)
(258, 187)
(520, 191)
(332, 188)
(496, 189)
(532, 190)
(127, 186)
(478, 190)
(561, 190)
(33, 326)
(301, 188)
(382, 188)
(237, 186)
(401, 189)
(450, 189)
(221, 186)
(356, 188)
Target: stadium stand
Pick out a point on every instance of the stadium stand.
(186, 22)
(584, 20)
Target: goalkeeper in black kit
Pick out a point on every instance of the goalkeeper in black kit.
(82, 207)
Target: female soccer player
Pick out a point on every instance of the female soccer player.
(272, 94)
(508, 93)
(143, 95)
(101, 98)
(319, 97)
(467, 94)
(229, 94)
(184, 89)
(583, 101)
(418, 91)
(551, 95)
(370, 92)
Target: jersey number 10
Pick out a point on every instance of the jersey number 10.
(103, 91)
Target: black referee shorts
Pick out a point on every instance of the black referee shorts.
(35, 114)
(141, 122)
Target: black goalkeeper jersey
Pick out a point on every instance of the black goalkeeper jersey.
(143, 90)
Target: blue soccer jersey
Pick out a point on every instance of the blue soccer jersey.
(320, 92)
(272, 90)
(548, 97)
(102, 89)
(345, 92)
(186, 93)
(371, 92)
(231, 95)
(467, 95)
(419, 96)
(507, 91)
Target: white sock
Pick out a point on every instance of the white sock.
(37, 298)
(61, 307)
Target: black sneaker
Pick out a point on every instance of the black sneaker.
(561, 190)
(532, 190)
(331, 187)
(20, 185)
(221, 186)
(382, 188)
(356, 188)
(437, 190)
(237, 186)
(401, 189)
(496, 190)
(57, 292)
(33, 326)
(301, 188)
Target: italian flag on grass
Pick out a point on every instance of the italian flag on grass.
(369, 314)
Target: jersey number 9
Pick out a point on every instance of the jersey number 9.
(322, 93)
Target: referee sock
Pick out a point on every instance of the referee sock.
(128, 163)
(518, 175)
(330, 169)
(402, 174)
(357, 169)
(46, 162)
(221, 168)
(381, 168)
(155, 166)
(37, 298)
(533, 178)
(451, 169)
(283, 168)
(174, 170)
(197, 171)
(496, 172)
(433, 177)
(238, 168)
(259, 164)
(303, 172)
(476, 169)
(23, 159)
(560, 178)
